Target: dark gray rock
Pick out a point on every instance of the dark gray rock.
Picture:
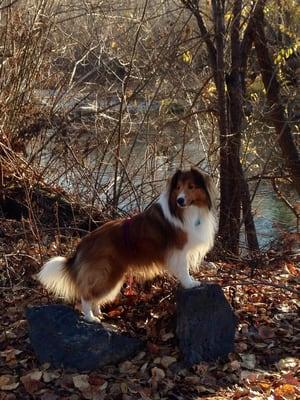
(59, 336)
(205, 324)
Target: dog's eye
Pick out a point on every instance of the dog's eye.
(191, 186)
(178, 187)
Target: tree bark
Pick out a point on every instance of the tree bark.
(225, 156)
(230, 114)
(248, 220)
(277, 112)
(234, 97)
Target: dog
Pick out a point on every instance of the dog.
(173, 234)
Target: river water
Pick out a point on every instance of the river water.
(272, 217)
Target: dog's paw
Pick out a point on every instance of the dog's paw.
(192, 284)
(195, 283)
(97, 312)
(92, 318)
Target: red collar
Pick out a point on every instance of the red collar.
(126, 234)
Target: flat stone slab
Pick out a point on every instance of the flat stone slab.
(61, 337)
(205, 324)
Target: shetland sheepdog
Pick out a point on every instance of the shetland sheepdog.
(173, 235)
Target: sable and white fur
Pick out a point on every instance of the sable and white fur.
(172, 235)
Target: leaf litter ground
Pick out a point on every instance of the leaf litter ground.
(265, 364)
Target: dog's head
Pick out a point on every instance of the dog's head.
(190, 188)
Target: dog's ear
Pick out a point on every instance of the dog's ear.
(206, 181)
(198, 177)
(172, 184)
(174, 180)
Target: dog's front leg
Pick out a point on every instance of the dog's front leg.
(87, 309)
(178, 266)
(96, 308)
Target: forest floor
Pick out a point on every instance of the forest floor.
(265, 364)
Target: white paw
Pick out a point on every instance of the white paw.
(97, 312)
(92, 318)
(191, 284)
(196, 283)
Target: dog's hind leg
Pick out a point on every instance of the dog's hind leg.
(99, 285)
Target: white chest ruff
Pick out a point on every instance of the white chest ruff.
(200, 226)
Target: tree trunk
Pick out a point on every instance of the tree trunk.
(230, 114)
(227, 200)
(248, 220)
(234, 98)
(277, 113)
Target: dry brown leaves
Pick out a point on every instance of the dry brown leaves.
(265, 364)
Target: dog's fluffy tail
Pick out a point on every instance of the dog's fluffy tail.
(55, 276)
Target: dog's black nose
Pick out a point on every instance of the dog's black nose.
(180, 201)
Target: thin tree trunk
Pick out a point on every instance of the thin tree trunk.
(234, 91)
(248, 220)
(225, 177)
(240, 190)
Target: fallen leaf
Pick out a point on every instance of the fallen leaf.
(116, 312)
(49, 396)
(248, 361)
(127, 367)
(8, 382)
(35, 375)
(192, 379)
(130, 291)
(205, 389)
(114, 389)
(65, 382)
(140, 356)
(234, 365)
(81, 382)
(96, 380)
(104, 386)
(50, 376)
(248, 376)
(152, 348)
(144, 367)
(287, 363)
(240, 393)
(292, 269)
(166, 361)
(10, 355)
(7, 396)
(201, 368)
(91, 393)
(31, 381)
(284, 390)
(124, 387)
(241, 347)
(157, 374)
(291, 379)
(264, 385)
(126, 397)
(265, 332)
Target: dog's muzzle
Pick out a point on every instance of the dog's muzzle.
(181, 201)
